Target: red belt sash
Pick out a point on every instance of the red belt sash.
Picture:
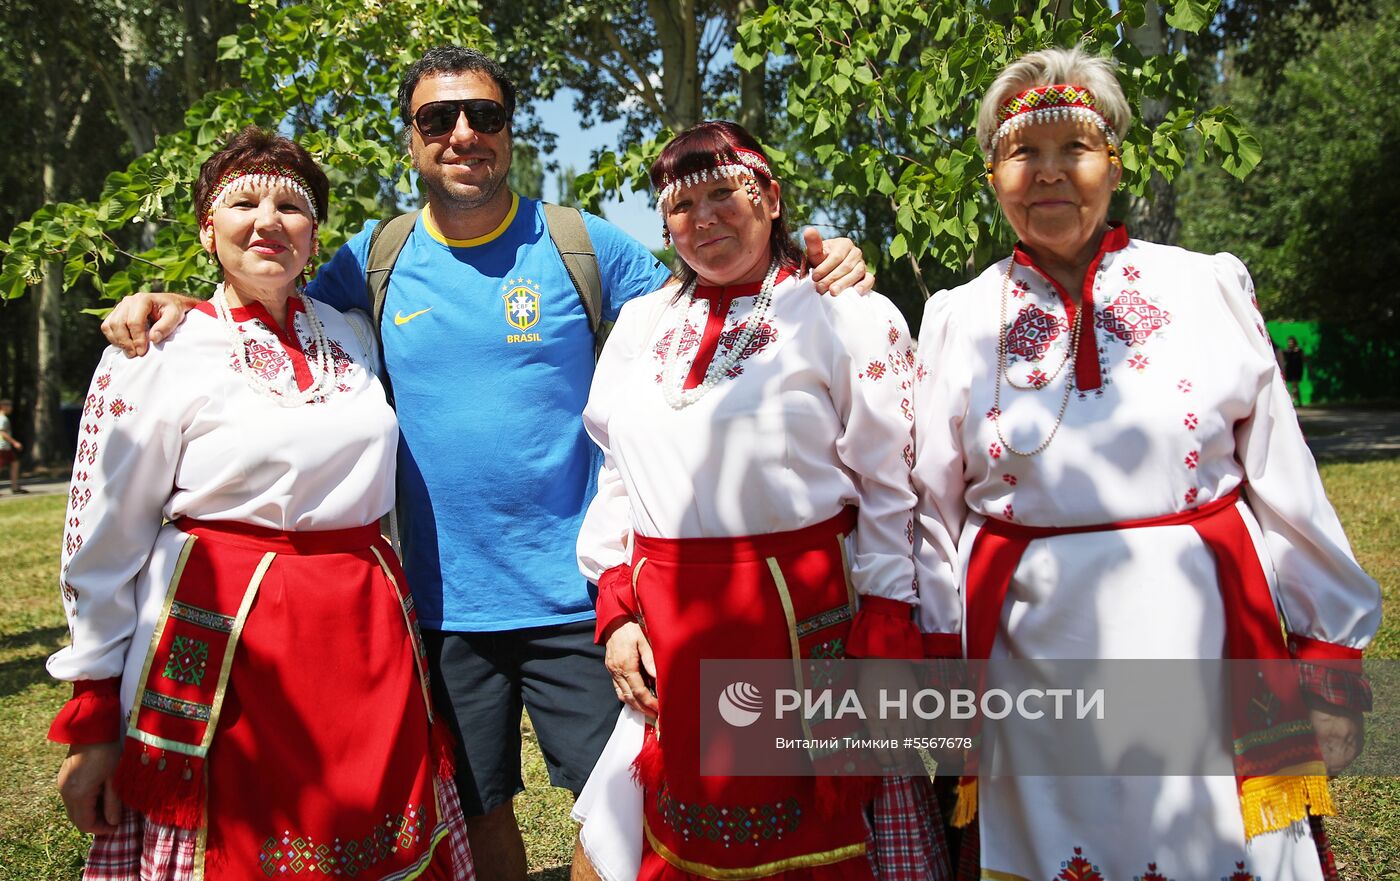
(183, 684)
(1278, 765)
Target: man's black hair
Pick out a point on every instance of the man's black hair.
(449, 60)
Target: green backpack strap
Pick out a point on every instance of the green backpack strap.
(570, 236)
(385, 243)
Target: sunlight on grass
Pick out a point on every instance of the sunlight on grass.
(36, 841)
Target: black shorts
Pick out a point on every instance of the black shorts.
(482, 680)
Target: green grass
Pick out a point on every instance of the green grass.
(37, 844)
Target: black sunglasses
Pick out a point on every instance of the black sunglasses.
(437, 118)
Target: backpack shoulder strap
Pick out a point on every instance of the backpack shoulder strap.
(385, 243)
(570, 236)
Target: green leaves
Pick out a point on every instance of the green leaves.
(326, 70)
(882, 108)
(1191, 15)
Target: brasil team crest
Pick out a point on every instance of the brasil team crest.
(522, 303)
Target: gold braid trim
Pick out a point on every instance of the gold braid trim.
(745, 873)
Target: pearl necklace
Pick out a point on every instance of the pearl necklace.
(673, 381)
(1003, 344)
(322, 374)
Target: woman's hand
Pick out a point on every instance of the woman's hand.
(1341, 734)
(627, 655)
(126, 325)
(85, 783)
(837, 264)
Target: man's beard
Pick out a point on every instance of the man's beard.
(456, 199)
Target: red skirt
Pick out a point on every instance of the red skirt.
(323, 756)
(774, 596)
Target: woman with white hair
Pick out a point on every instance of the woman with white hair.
(1131, 483)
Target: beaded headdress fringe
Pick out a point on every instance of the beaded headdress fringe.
(258, 176)
(750, 164)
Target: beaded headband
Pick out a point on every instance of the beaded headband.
(1052, 103)
(259, 174)
(749, 164)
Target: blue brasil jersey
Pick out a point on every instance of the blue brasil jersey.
(490, 354)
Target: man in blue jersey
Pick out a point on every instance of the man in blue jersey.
(490, 353)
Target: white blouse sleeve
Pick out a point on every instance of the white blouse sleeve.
(603, 539)
(1328, 602)
(872, 390)
(941, 393)
(123, 475)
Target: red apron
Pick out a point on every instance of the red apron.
(777, 596)
(285, 708)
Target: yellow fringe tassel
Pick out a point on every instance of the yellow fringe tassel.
(1278, 801)
(966, 808)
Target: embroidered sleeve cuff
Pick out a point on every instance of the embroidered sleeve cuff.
(615, 600)
(884, 628)
(92, 715)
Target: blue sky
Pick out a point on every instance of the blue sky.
(634, 214)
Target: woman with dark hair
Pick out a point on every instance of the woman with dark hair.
(754, 502)
(223, 519)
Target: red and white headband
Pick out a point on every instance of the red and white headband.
(258, 174)
(1052, 103)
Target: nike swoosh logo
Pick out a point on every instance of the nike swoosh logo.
(400, 318)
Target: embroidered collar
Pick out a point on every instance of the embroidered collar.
(1087, 375)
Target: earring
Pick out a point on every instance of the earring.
(308, 271)
(665, 235)
(751, 187)
(989, 172)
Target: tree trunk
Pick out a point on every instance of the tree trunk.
(678, 35)
(753, 108)
(48, 446)
(1154, 217)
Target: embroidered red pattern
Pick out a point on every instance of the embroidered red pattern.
(287, 855)
(994, 412)
(1151, 874)
(994, 450)
(1184, 386)
(265, 359)
(765, 336)
(1037, 378)
(1033, 332)
(1008, 512)
(1008, 479)
(339, 357)
(1193, 459)
(1191, 421)
(1190, 496)
(1240, 874)
(909, 455)
(1132, 318)
(1131, 272)
(1138, 362)
(1077, 868)
(873, 370)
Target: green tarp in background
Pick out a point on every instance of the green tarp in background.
(1340, 366)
